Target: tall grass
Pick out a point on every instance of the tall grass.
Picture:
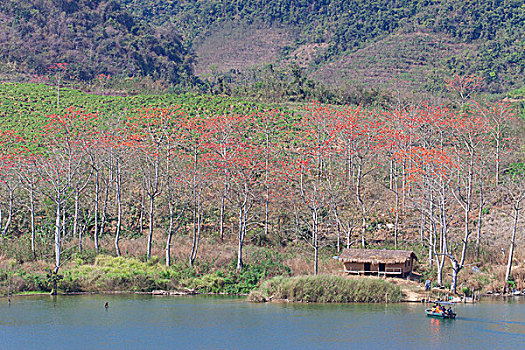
(328, 289)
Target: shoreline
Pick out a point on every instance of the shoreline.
(275, 300)
(153, 293)
(179, 293)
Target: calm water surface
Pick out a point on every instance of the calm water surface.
(149, 322)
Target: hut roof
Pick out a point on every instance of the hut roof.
(376, 256)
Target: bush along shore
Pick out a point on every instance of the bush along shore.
(108, 274)
(326, 289)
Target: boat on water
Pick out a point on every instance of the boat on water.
(441, 309)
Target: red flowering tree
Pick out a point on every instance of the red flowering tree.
(239, 159)
(190, 139)
(61, 166)
(148, 135)
(463, 86)
(8, 177)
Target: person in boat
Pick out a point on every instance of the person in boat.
(449, 312)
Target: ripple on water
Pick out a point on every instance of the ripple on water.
(134, 322)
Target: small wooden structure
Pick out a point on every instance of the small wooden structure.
(378, 262)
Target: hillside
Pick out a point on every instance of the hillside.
(92, 36)
(324, 35)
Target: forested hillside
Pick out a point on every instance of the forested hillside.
(92, 36)
(343, 44)
(487, 37)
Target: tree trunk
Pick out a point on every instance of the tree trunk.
(142, 209)
(170, 233)
(97, 199)
(396, 223)
(348, 233)
(439, 272)
(442, 241)
(223, 205)
(9, 213)
(338, 243)
(196, 239)
(150, 226)
(315, 240)
(512, 242)
(466, 203)
(455, 271)
(480, 215)
(497, 170)
(119, 211)
(240, 264)
(242, 228)
(267, 199)
(266, 211)
(75, 218)
(361, 202)
(197, 223)
(32, 210)
(64, 222)
(58, 231)
(171, 230)
(432, 236)
(422, 228)
(432, 242)
(103, 221)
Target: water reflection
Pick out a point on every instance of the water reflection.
(434, 330)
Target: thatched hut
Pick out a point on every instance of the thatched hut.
(378, 262)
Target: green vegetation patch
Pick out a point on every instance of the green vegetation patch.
(24, 108)
(107, 273)
(328, 289)
(230, 281)
(127, 274)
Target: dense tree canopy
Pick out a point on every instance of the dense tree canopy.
(93, 37)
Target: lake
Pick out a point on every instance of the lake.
(215, 322)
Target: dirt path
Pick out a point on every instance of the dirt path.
(415, 291)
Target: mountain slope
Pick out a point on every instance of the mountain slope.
(494, 32)
(92, 36)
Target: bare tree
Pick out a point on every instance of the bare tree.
(514, 185)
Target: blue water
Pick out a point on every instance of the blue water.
(200, 322)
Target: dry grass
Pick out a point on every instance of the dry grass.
(409, 57)
(230, 47)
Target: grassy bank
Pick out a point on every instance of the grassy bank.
(327, 289)
(109, 274)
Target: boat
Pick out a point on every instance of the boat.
(441, 309)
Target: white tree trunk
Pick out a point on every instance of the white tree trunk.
(512, 242)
